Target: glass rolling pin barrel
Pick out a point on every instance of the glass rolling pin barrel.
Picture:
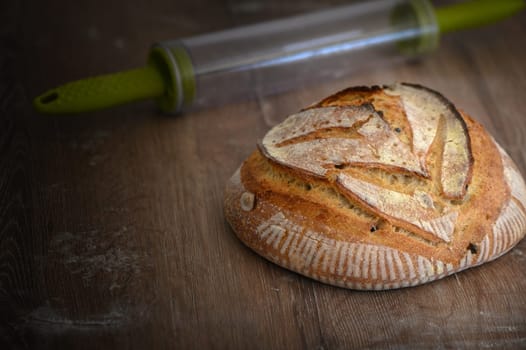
(275, 56)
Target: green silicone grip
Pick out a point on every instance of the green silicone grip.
(102, 91)
(477, 13)
(168, 78)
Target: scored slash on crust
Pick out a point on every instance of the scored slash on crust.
(400, 207)
(303, 144)
(424, 109)
(319, 140)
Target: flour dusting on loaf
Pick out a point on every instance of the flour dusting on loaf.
(377, 188)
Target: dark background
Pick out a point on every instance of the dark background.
(111, 226)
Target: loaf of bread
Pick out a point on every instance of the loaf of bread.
(378, 188)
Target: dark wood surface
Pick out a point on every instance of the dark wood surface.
(111, 226)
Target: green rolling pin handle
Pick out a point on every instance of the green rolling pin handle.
(475, 13)
(102, 91)
(167, 77)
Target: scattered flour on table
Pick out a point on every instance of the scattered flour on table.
(109, 258)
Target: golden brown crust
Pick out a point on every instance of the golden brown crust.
(388, 218)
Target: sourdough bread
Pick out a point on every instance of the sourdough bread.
(378, 188)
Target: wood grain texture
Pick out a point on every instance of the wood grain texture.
(111, 226)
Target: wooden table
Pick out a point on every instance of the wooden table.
(112, 233)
